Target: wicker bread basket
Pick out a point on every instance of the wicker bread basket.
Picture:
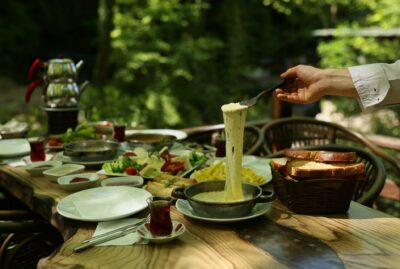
(314, 196)
(330, 195)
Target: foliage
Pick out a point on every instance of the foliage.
(343, 51)
(176, 62)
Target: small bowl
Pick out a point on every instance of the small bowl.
(91, 150)
(130, 181)
(177, 230)
(86, 180)
(36, 168)
(63, 170)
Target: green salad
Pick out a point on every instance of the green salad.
(151, 164)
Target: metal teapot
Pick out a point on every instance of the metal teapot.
(63, 93)
(57, 77)
(54, 69)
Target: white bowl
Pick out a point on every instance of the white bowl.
(36, 168)
(66, 184)
(130, 181)
(63, 170)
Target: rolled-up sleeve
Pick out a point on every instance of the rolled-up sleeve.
(377, 84)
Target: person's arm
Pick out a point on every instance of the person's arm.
(377, 84)
(308, 84)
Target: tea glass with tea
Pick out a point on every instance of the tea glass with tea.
(160, 218)
(37, 149)
(119, 131)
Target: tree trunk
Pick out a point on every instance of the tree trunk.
(100, 71)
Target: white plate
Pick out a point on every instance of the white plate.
(103, 203)
(14, 147)
(130, 181)
(66, 159)
(259, 165)
(184, 207)
(177, 230)
(179, 135)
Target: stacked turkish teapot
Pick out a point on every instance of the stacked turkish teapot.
(58, 79)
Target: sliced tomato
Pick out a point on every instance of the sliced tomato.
(55, 142)
(131, 171)
(173, 168)
(164, 154)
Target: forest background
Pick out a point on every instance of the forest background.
(172, 63)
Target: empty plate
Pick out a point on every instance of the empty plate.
(103, 203)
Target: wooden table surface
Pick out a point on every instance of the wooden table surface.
(362, 238)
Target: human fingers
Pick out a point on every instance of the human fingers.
(290, 73)
(292, 97)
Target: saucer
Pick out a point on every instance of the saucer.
(184, 207)
(177, 230)
(27, 159)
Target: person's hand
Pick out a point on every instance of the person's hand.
(307, 84)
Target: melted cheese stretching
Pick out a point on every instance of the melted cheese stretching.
(234, 119)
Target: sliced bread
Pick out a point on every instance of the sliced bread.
(307, 169)
(320, 155)
(279, 163)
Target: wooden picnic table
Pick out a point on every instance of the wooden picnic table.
(362, 238)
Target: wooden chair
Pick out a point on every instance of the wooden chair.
(25, 237)
(298, 132)
(253, 137)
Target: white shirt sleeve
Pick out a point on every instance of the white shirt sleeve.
(377, 84)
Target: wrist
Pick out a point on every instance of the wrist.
(339, 82)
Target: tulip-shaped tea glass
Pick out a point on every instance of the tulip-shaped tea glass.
(160, 219)
(37, 149)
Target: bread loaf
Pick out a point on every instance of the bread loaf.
(320, 155)
(311, 169)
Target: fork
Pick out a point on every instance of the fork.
(253, 101)
(108, 236)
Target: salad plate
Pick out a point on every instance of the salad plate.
(149, 164)
(184, 207)
(103, 203)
